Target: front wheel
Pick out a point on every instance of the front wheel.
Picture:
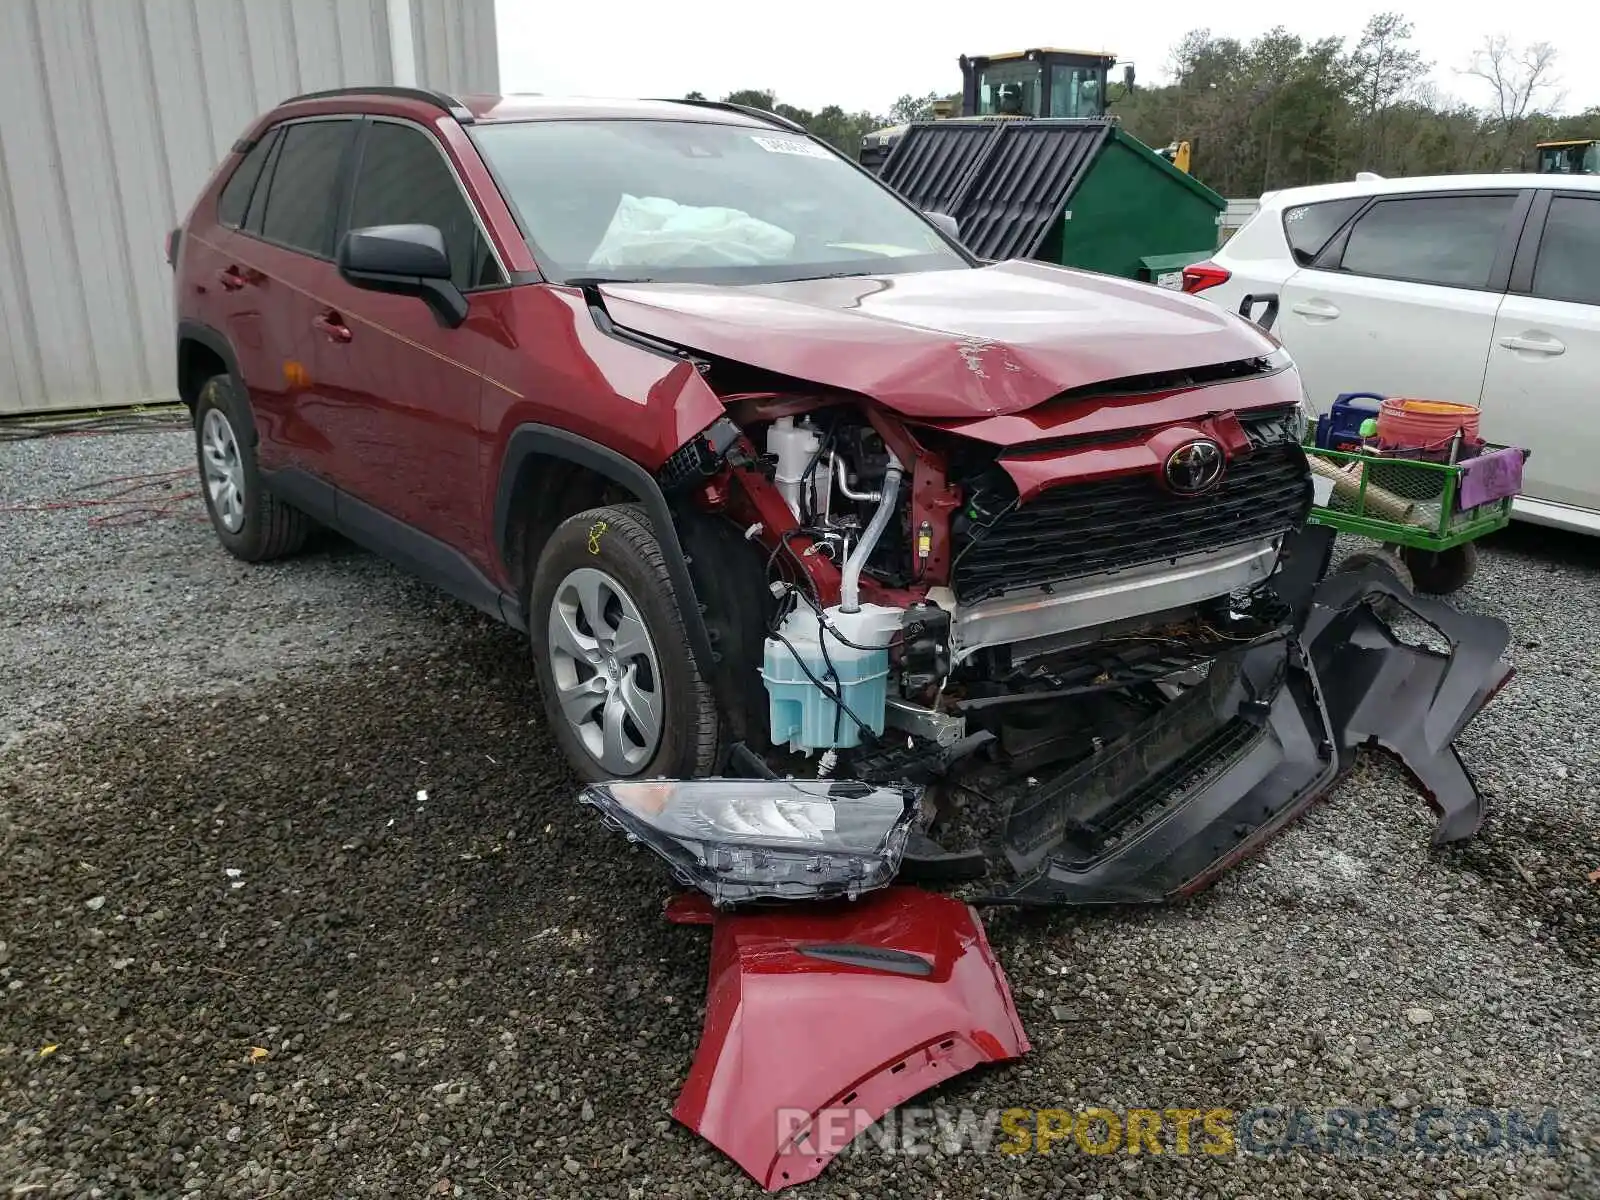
(622, 692)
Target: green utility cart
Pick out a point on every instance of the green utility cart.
(1081, 193)
(1414, 508)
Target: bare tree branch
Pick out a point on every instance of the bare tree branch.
(1517, 78)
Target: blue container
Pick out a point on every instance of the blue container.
(1340, 427)
(803, 716)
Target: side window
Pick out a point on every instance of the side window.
(1448, 240)
(404, 180)
(258, 198)
(1309, 227)
(235, 198)
(1568, 266)
(301, 193)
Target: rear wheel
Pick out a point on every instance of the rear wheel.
(622, 692)
(250, 522)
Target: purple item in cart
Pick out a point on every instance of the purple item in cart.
(1490, 477)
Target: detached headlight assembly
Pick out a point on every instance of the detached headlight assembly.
(753, 839)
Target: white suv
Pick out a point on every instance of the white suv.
(1482, 289)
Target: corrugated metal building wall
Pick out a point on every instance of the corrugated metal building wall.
(115, 112)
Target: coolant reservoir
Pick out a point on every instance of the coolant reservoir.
(805, 717)
(794, 446)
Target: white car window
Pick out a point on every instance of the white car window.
(1449, 240)
(1568, 267)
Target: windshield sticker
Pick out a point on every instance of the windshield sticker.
(774, 145)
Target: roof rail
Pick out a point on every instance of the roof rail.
(440, 100)
(749, 110)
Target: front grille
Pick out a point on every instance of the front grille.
(1083, 529)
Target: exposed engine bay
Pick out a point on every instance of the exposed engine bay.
(1087, 664)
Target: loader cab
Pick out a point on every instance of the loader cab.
(1574, 157)
(1035, 83)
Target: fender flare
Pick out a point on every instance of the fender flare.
(531, 439)
(196, 331)
(217, 343)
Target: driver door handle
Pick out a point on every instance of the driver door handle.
(332, 326)
(1544, 345)
(1317, 310)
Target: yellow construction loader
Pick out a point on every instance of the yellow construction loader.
(1026, 83)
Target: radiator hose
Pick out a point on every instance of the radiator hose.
(850, 578)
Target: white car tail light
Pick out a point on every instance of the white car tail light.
(1200, 276)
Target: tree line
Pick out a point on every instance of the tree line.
(1282, 111)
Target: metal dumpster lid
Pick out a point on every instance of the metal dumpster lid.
(1172, 262)
(1006, 181)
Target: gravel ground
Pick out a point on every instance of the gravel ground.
(308, 809)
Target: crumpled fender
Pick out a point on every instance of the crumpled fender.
(820, 1019)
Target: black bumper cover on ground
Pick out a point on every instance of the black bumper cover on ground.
(1163, 811)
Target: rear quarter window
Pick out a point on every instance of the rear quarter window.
(1308, 228)
(235, 198)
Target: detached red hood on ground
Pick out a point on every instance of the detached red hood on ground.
(820, 1019)
(934, 344)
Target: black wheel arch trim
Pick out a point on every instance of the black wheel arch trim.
(218, 344)
(528, 440)
(196, 331)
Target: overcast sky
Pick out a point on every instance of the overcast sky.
(863, 56)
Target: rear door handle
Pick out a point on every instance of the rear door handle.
(332, 326)
(1316, 310)
(231, 279)
(1543, 345)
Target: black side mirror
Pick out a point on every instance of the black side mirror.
(947, 224)
(406, 260)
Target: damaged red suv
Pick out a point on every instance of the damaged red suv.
(833, 544)
(784, 484)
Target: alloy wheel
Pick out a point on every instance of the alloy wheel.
(607, 675)
(224, 473)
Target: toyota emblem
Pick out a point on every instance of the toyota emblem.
(1195, 466)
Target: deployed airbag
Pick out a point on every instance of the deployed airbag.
(651, 231)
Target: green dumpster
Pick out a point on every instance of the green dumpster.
(1082, 193)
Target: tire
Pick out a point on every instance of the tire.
(1444, 572)
(600, 573)
(251, 523)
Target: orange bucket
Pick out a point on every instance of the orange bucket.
(1424, 424)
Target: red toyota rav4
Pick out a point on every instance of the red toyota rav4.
(780, 480)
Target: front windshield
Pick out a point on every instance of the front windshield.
(1010, 89)
(690, 201)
